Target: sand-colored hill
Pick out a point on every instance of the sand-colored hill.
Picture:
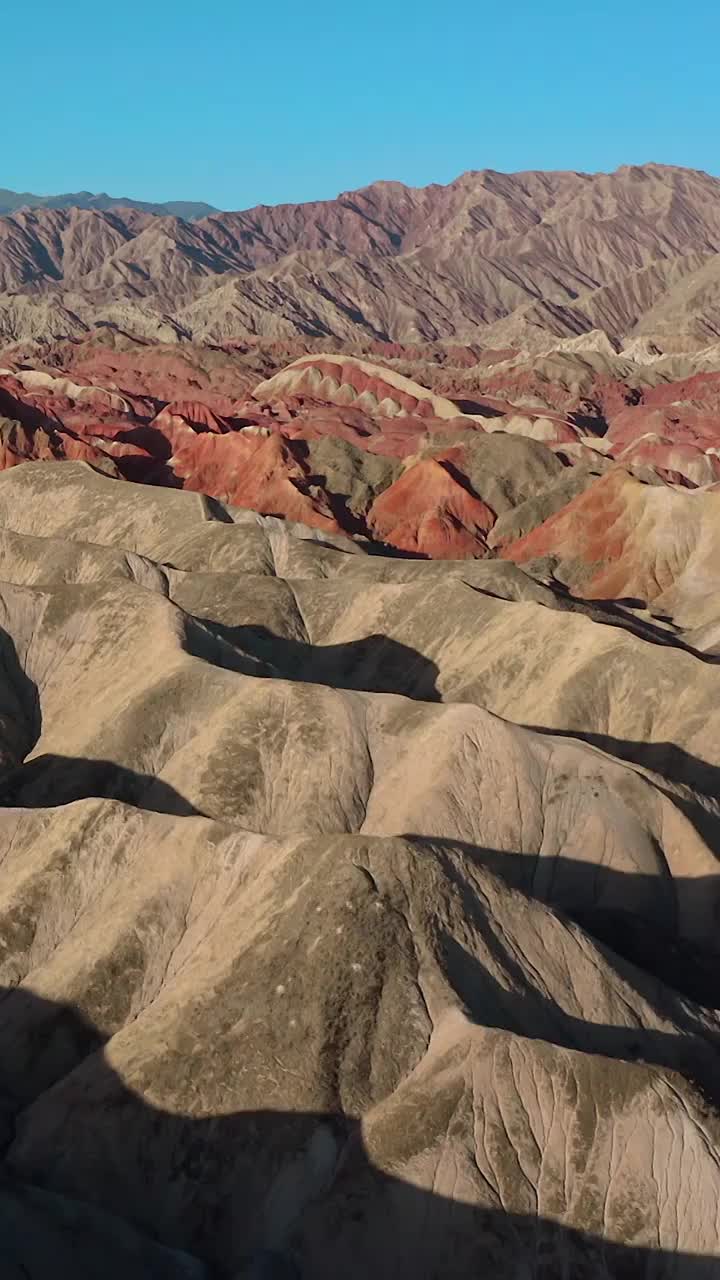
(358, 913)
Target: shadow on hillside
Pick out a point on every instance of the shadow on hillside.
(49, 780)
(276, 1195)
(374, 663)
(640, 917)
(664, 758)
(671, 763)
(614, 613)
(520, 1007)
(259, 1195)
(479, 408)
(28, 415)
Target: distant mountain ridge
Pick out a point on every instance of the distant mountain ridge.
(11, 201)
(503, 259)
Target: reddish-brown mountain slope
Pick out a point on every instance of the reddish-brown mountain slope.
(519, 255)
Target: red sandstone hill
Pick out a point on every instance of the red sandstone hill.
(559, 459)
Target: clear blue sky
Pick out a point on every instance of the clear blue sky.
(241, 103)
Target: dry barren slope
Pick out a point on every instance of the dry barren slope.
(357, 915)
(516, 255)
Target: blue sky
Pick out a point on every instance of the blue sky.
(242, 103)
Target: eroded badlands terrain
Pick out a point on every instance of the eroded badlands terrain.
(360, 736)
(358, 913)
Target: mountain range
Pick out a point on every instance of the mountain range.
(506, 259)
(11, 201)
